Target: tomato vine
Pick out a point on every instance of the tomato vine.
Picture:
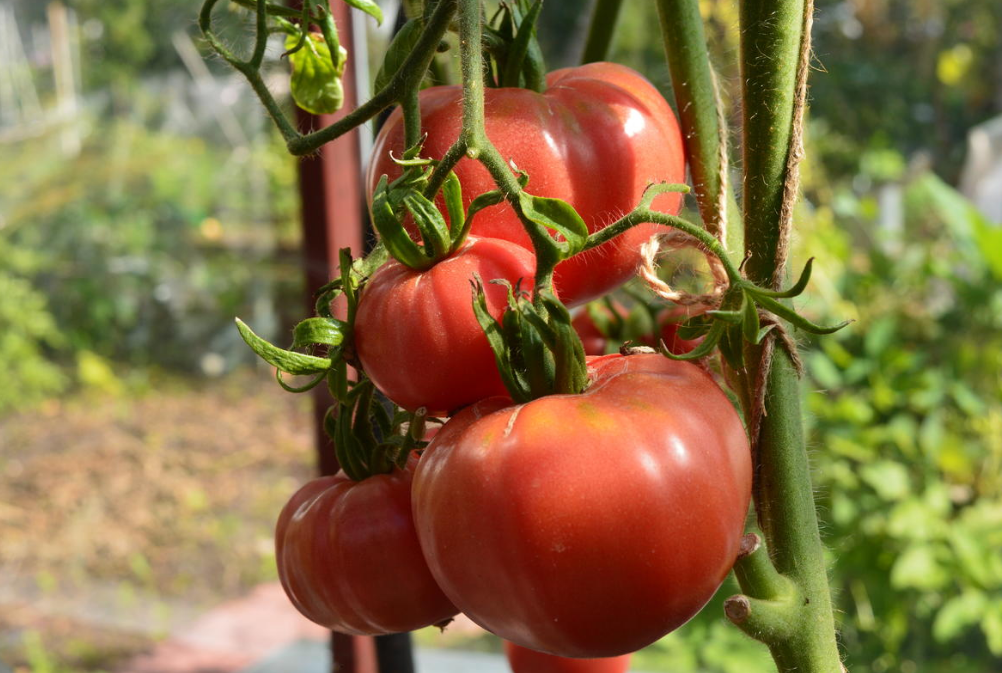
(786, 603)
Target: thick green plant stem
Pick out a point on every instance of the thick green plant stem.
(600, 30)
(474, 143)
(700, 112)
(775, 39)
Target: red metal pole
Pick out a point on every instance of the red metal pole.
(330, 186)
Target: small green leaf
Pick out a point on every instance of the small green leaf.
(398, 51)
(324, 331)
(369, 7)
(316, 80)
(556, 215)
(287, 361)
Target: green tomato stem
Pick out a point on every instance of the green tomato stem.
(775, 39)
(700, 111)
(601, 28)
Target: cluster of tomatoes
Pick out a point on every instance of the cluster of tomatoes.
(582, 525)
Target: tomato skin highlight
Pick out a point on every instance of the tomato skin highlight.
(349, 559)
(588, 525)
(523, 660)
(416, 335)
(596, 138)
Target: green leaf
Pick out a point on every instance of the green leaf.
(324, 331)
(398, 51)
(286, 361)
(452, 194)
(556, 215)
(369, 7)
(316, 80)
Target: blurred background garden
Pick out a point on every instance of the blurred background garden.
(145, 201)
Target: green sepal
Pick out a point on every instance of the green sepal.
(556, 215)
(316, 78)
(750, 324)
(656, 189)
(527, 349)
(298, 364)
(694, 328)
(519, 48)
(732, 346)
(397, 52)
(570, 370)
(364, 267)
(794, 291)
(705, 347)
(430, 223)
(795, 318)
(452, 195)
(729, 317)
(494, 331)
(392, 233)
(322, 331)
(370, 8)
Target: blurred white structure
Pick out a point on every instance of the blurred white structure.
(981, 179)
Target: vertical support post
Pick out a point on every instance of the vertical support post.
(333, 217)
(330, 188)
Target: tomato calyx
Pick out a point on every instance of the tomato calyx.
(510, 49)
(536, 348)
(746, 314)
(370, 437)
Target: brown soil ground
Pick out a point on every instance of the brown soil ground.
(121, 517)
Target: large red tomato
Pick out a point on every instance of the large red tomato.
(596, 138)
(416, 335)
(523, 660)
(349, 559)
(588, 525)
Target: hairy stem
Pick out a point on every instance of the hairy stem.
(775, 39)
(700, 111)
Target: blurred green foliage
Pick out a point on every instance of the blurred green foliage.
(905, 411)
(139, 251)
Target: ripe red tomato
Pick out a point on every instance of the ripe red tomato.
(588, 525)
(416, 335)
(349, 559)
(523, 660)
(596, 138)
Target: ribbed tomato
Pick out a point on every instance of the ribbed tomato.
(588, 525)
(348, 556)
(416, 335)
(596, 138)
